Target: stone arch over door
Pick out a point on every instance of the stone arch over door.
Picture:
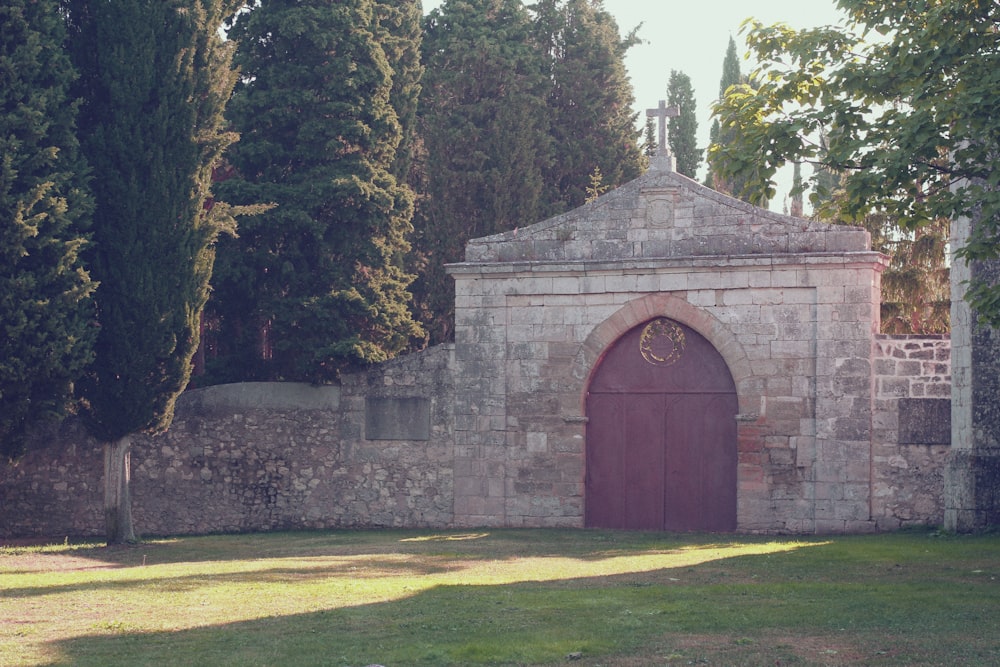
(661, 434)
(668, 305)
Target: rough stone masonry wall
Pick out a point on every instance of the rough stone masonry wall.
(327, 458)
(793, 333)
(911, 429)
(790, 304)
(375, 451)
(972, 476)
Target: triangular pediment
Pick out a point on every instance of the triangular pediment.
(659, 215)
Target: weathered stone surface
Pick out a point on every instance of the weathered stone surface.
(972, 476)
(261, 395)
(229, 463)
(925, 421)
(910, 448)
(670, 216)
(402, 418)
(789, 303)
(492, 431)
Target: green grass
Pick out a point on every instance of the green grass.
(504, 597)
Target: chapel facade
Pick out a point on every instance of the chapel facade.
(667, 357)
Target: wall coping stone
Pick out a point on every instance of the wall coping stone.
(262, 395)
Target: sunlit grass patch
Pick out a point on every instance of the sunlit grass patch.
(504, 597)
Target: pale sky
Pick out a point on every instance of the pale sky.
(691, 36)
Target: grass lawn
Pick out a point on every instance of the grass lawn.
(504, 597)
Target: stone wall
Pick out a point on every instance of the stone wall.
(972, 476)
(838, 429)
(375, 451)
(790, 304)
(803, 386)
(911, 429)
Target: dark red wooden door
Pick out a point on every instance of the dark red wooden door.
(661, 434)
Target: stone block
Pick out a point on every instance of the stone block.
(789, 277)
(759, 280)
(796, 349)
(924, 421)
(402, 418)
(704, 280)
(893, 387)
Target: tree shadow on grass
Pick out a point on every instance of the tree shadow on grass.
(305, 557)
(652, 613)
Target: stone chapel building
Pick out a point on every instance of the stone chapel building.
(664, 357)
(667, 357)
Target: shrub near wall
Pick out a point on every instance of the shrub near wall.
(258, 456)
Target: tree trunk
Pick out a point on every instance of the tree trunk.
(117, 499)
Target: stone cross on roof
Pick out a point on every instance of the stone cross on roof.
(663, 112)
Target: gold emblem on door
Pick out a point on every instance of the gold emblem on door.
(662, 342)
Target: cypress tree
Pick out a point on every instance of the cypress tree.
(731, 76)
(649, 142)
(400, 36)
(155, 77)
(315, 285)
(683, 134)
(590, 100)
(797, 189)
(485, 135)
(46, 315)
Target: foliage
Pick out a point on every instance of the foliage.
(155, 77)
(720, 177)
(916, 285)
(597, 186)
(649, 141)
(400, 34)
(590, 100)
(906, 93)
(46, 315)
(916, 290)
(485, 135)
(683, 129)
(798, 188)
(504, 597)
(315, 284)
(519, 108)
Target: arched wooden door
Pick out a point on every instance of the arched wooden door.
(661, 433)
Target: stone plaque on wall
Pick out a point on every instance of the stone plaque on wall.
(924, 421)
(407, 418)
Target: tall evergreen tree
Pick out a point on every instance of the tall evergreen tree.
(46, 332)
(485, 136)
(400, 34)
(731, 76)
(916, 287)
(797, 190)
(316, 285)
(590, 100)
(649, 139)
(547, 106)
(683, 134)
(155, 77)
